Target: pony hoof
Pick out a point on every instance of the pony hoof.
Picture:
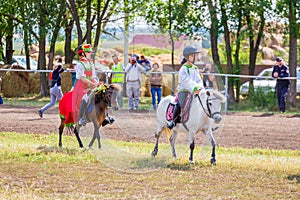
(192, 162)
(213, 161)
(154, 153)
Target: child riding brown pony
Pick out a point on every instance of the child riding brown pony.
(100, 99)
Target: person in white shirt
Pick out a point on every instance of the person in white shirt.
(133, 82)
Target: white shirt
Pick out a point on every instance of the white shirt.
(80, 70)
(189, 78)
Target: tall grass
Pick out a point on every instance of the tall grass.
(33, 167)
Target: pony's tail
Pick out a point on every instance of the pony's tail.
(168, 133)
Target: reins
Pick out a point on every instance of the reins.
(209, 114)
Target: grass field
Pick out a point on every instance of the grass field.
(33, 167)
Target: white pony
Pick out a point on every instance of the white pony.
(204, 112)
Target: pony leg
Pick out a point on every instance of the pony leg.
(172, 142)
(60, 132)
(157, 136)
(192, 147)
(76, 132)
(96, 135)
(211, 138)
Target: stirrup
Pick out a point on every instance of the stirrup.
(81, 122)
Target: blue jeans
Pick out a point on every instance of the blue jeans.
(155, 90)
(55, 94)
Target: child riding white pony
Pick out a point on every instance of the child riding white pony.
(205, 107)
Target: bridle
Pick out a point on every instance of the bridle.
(208, 112)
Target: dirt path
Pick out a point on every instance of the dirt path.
(278, 131)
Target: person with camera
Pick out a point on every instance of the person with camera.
(133, 82)
(208, 80)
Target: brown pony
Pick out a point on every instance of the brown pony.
(103, 97)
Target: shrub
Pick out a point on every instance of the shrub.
(262, 99)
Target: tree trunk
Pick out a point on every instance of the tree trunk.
(57, 27)
(214, 33)
(75, 17)
(9, 42)
(237, 69)
(254, 45)
(100, 16)
(228, 51)
(293, 30)
(98, 29)
(88, 22)
(69, 54)
(42, 53)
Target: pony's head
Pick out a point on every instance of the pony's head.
(108, 94)
(214, 102)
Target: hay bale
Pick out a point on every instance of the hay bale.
(15, 84)
(167, 84)
(66, 81)
(34, 83)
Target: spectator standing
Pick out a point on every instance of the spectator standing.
(1, 100)
(208, 80)
(133, 82)
(155, 84)
(145, 63)
(118, 78)
(282, 85)
(55, 87)
(73, 73)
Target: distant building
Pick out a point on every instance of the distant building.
(158, 41)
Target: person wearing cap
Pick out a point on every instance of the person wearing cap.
(189, 81)
(133, 82)
(145, 63)
(118, 78)
(55, 87)
(280, 70)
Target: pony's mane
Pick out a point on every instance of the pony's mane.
(116, 87)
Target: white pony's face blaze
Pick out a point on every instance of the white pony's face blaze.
(214, 105)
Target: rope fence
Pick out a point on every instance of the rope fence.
(225, 77)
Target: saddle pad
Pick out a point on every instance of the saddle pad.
(90, 108)
(185, 112)
(169, 113)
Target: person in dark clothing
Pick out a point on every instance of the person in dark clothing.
(282, 85)
(55, 87)
(1, 100)
(208, 80)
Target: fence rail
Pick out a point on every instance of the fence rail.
(225, 79)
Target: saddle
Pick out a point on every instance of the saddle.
(185, 111)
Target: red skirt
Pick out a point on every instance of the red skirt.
(69, 105)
